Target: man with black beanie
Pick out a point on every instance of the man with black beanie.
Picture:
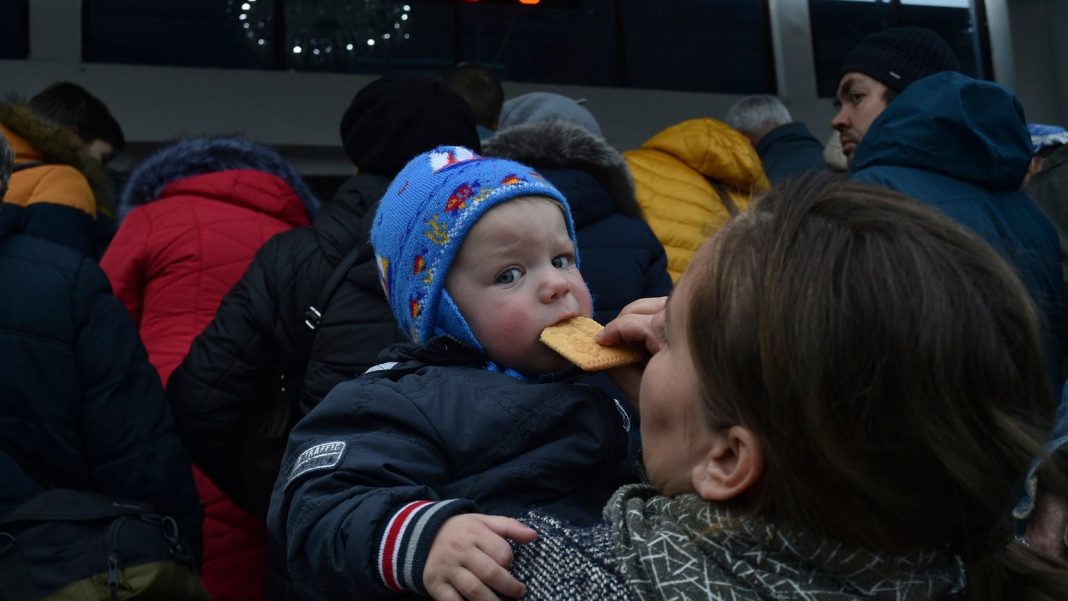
(909, 122)
(274, 349)
(880, 68)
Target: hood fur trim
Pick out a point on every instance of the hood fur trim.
(563, 145)
(57, 144)
(197, 156)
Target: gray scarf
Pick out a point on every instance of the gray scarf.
(687, 548)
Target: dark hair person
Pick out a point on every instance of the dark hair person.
(845, 392)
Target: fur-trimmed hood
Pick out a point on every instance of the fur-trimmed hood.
(56, 144)
(198, 156)
(559, 144)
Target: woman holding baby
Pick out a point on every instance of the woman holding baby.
(844, 392)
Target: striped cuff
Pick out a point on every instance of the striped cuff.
(406, 542)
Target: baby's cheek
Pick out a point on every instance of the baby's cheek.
(585, 300)
(513, 321)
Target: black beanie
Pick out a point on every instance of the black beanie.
(898, 57)
(396, 117)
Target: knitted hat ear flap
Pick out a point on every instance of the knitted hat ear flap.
(450, 322)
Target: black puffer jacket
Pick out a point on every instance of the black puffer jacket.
(80, 405)
(257, 368)
(620, 257)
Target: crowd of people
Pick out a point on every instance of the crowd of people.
(854, 350)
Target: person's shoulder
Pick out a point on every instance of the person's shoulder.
(35, 251)
(288, 251)
(62, 185)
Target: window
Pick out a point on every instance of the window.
(667, 44)
(698, 45)
(13, 25)
(839, 25)
(193, 33)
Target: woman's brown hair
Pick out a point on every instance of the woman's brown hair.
(890, 363)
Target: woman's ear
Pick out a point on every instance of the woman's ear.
(733, 464)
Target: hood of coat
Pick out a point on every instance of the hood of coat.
(715, 150)
(202, 156)
(256, 191)
(37, 139)
(555, 144)
(951, 124)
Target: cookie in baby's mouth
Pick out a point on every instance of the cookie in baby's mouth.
(575, 340)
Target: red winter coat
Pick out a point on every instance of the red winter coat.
(171, 262)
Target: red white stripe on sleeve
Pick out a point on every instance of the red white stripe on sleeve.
(403, 539)
(389, 549)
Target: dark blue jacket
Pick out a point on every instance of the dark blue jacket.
(439, 428)
(961, 146)
(80, 406)
(788, 151)
(619, 256)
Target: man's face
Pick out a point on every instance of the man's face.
(860, 100)
(100, 150)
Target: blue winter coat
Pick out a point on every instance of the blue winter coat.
(961, 146)
(788, 151)
(80, 406)
(372, 472)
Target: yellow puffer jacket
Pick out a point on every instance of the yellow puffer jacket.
(674, 173)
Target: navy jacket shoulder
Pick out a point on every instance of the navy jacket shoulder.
(788, 151)
(81, 407)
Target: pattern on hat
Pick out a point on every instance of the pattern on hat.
(422, 221)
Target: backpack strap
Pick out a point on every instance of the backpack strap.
(314, 313)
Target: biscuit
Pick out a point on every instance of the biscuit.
(574, 339)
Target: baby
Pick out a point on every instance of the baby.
(384, 483)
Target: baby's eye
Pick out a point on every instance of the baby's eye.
(563, 262)
(509, 276)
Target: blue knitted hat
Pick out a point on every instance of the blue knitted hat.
(423, 219)
(1044, 136)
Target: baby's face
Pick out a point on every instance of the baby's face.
(515, 274)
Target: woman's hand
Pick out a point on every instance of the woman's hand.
(633, 326)
(470, 556)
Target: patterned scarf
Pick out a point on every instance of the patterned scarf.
(687, 548)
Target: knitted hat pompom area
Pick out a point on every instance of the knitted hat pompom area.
(422, 221)
(898, 56)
